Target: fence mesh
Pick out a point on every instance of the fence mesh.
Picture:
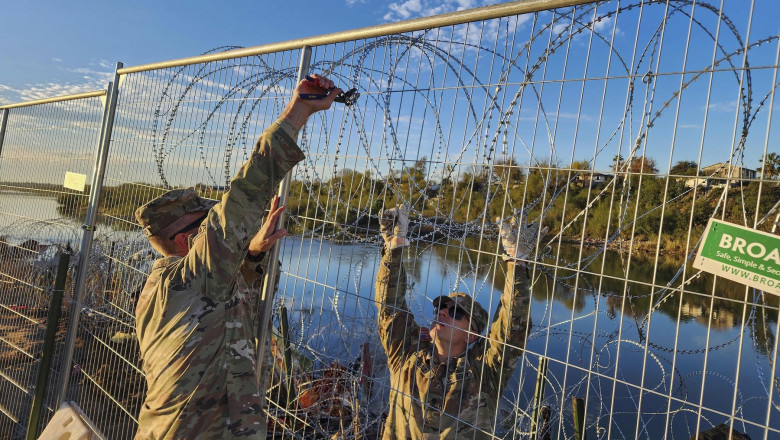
(621, 126)
(38, 219)
(185, 126)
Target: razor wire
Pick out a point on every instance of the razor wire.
(423, 45)
(490, 135)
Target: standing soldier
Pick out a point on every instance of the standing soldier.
(197, 317)
(447, 386)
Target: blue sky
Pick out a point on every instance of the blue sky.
(57, 48)
(53, 47)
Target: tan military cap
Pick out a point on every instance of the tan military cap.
(170, 212)
(478, 315)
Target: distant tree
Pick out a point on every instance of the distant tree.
(508, 171)
(684, 168)
(641, 164)
(617, 161)
(545, 174)
(416, 172)
(446, 179)
(581, 172)
(347, 180)
(580, 165)
(419, 168)
(475, 177)
(771, 165)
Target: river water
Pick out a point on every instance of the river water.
(34, 217)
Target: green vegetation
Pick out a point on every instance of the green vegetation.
(771, 164)
(116, 202)
(630, 201)
(635, 203)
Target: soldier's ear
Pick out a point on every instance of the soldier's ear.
(182, 241)
(472, 338)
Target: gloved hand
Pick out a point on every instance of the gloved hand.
(518, 238)
(394, 224)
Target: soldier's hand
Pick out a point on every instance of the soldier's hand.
(517, 237)
(320, 85)
(394, 225)
(265, 238)
(298, 109)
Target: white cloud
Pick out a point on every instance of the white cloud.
(560, 27)
(725, 106)
(603, 24)
(403, 11)
(4, 95)
(42, 91)
(11, 95)
(89, 71)
(76, 80)
(425, 8)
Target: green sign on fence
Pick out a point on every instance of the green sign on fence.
(741, 254)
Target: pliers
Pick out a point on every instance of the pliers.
(347, 98)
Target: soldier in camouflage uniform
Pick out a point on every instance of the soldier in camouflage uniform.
(447, 385)
(197, 314)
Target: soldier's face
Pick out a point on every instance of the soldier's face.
(450, 330)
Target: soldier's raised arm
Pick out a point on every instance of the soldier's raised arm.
(196, 318)
(397, 329)
(507, 336)
(225, 236)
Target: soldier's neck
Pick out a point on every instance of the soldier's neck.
(443, 354)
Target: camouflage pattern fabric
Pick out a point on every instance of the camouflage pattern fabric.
(456, 398)
(168, 209)
(197, 315)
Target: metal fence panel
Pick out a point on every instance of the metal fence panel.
(622, 126)
(38, 218)
(596, 121)
(184, 126)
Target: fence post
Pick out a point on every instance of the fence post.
(3, 123)
(541, 382)
(544, 425)
(578, 407)
(284, 327)
(110, 264)
(269, 283)
(52, 323)
(89, 230)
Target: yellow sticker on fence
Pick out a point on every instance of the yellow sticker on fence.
(75, 181)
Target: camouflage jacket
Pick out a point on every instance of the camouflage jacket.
(453, 399)
(197, 315)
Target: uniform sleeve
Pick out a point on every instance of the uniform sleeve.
(399, 333)
(509, 330)
(215, 258)
(253, 270)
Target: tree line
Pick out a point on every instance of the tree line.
(632, 201)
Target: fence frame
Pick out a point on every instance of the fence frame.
(37, 402)
(305, 45)
(3, 124)
(89, 231)
(417, 24)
